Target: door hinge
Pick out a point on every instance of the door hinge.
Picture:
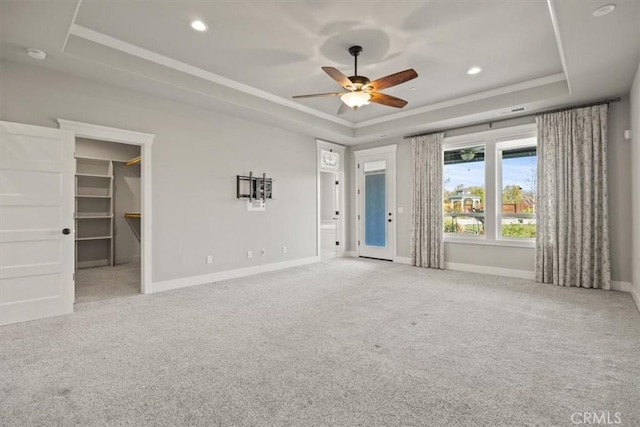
(358, 217)
(358, 165)
(337, 182)
(358, 242)
(358, 191)
(337, 243)
(337, 212)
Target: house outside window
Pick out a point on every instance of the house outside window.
(489, 187)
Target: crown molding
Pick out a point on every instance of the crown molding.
(137, 51)
(529, 84)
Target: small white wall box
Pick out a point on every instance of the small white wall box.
(256, 189)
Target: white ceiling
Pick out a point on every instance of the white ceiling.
(257, 54)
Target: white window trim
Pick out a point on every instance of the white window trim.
(494, 141)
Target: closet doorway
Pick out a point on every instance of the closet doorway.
(112, 211)
(107, 220)
(330, 201)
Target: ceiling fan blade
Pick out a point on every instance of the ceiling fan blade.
(339, 77)
(314, 95)
(393, 79)
(391, 101)
(343, 108)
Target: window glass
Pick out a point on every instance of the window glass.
(518, 218)
(464, 191)
(329, 161)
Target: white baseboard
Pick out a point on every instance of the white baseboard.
(229, 274)
(621, 286)
(507, 272)
(352, 254)
(636, 297)
(402, 260)
(127, 260)
(626, 287)
(94, 263)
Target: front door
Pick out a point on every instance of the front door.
(36, 222)
(376, 203)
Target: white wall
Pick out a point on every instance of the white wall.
(196, 157)
(635, 179)
(127, 198)
(515, 257)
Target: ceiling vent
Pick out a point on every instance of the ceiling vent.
(512, 111)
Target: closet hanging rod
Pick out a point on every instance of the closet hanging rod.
(133, 161)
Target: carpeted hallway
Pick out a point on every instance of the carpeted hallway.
(347, 342)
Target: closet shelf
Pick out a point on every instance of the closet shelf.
(93, 175)
(80, 196)
(93, 216)
(132, 215)
(94, 238)
(134, 161)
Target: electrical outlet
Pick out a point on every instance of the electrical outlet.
(209, 259)
(249, 254)
(284, 249)
(263, 252)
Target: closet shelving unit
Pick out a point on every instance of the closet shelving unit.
(133, 218)
(93, 212)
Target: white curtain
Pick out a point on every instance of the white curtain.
(427, 247)
(572, 233)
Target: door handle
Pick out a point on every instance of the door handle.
(66, 231)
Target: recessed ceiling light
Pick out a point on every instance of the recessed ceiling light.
(601, 11)
(474, 70)
(199, 25)
(414, 88)
(36, 54)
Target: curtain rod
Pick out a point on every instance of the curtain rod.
(491, 122)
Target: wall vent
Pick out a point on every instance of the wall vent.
(512, 111)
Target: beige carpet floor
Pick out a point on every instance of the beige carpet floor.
(346, 342)
(105, 283)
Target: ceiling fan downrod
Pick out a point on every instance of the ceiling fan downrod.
(355, 51)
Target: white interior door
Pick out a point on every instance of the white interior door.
(36, 222)
(376, 195)
(329, 215)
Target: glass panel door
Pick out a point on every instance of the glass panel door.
(376, 206)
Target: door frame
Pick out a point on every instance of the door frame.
(145, 142)
(359, 154)
(340, 149)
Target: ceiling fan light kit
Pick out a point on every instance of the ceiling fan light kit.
(360, 90)
(356, 99)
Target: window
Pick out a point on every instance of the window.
(518, 185)
(329, 161)
(464, 188)
(489, 187)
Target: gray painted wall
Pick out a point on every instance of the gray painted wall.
(106, 150)
(512, 257)
(635, 178)
(196, 157)
(127, 198)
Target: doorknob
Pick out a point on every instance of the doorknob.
(389, 220)
(66, 231)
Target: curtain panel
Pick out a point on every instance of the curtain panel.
(427, 246)
(572, 232)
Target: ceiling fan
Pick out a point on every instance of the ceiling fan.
(360, 90)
